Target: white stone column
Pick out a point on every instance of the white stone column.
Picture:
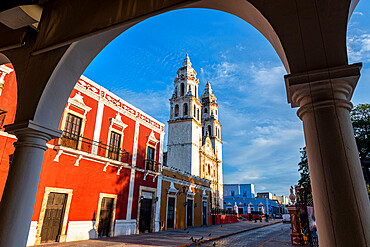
(132, 176)
(157, 225)
(341, 202)
(97, 128)
(17, 203)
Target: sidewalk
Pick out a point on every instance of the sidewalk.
(178, 237)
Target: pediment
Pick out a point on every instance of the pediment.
(78, 102)
(207, 146)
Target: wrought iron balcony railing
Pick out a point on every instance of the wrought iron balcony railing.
(151, 165)
(2, 117)
(89, 146)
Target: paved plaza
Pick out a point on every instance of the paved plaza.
(276, 235)
(275, 232)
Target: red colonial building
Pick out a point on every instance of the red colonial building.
(102, 177)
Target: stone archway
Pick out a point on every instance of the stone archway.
(308, 36)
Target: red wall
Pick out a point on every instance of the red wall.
(8, 96)
(129, 132)
(144, 132)
(8, 100)
(88, 179)
(223, 219)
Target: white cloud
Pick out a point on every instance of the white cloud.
(261, 133)
(267, 76)
(358, 47)
(154, 103)
(263, 83)
(240, 47)
(358, 13)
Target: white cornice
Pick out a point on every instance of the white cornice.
(6, 134)
(122, 111)
(186, 174)
(5, 69)
(92, 157)
(178, 181)
(101, 88)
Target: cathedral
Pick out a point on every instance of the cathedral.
(194, 132)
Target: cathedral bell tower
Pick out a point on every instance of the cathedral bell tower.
(184, 126)
(212, 130)
(211, 125)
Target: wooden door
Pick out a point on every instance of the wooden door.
(171, 212)
(105, 218)
(145, 215)
(190, 213)
(53, 219)
(204, 212)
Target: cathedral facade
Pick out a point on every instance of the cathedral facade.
(194, 132)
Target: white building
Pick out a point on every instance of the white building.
(194, 132)
(282, 199)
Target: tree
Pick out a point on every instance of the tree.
(360, 117)
(305, 180)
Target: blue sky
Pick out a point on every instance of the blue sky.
(261, 133)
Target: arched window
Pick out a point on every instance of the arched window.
(209, 130)
(182, 89)
(198, 114)
(205, 110)
(195, 111)
(185, 109)
(219, 134)
(196, 92)
(176, 110)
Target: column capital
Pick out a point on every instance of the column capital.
(30, 133)
(322, 88)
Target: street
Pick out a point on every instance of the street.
(273, 235)
(256, 234)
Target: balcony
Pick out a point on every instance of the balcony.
(87, 145)
(151, 165)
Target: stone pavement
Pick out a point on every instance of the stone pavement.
(276, 235)
(178, 237)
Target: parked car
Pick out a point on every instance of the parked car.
(286, 218)
(278, 216)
